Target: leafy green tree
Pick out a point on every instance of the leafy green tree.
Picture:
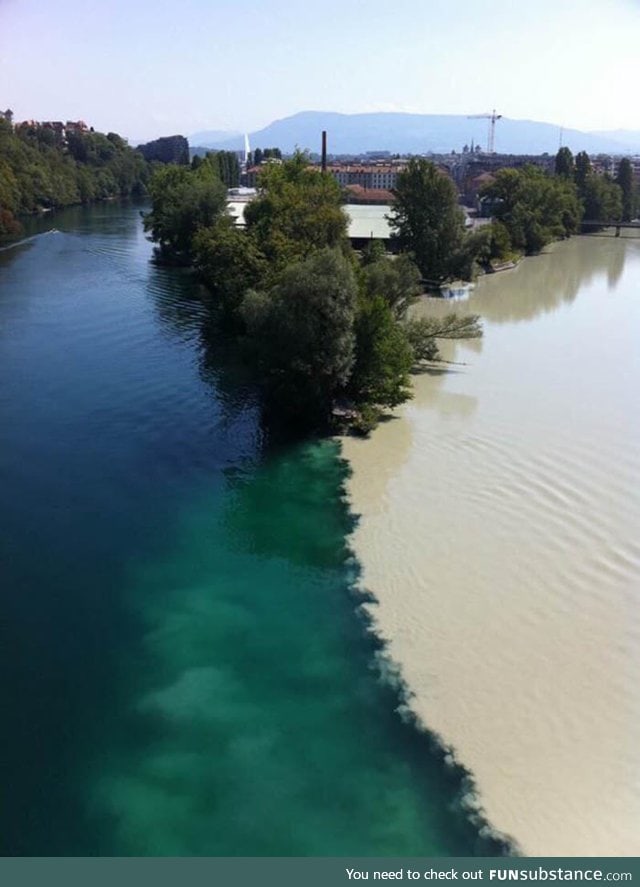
(396, 280)
(624, 180)
(183, 202)
(500, 243)
(301, 334)
(38, 170)
(297, 212)
(258, 156)
(428, 222)
(228, 262)
(423, 333)
(228, 167)
(373, 252)
(534, 207)
(472, 253)
(117, 140)
(168, 149)
(564, 165)
(602, 199)
(582, 169)
(384, 357)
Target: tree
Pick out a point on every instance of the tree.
(38, 170)
(168, 149)
(534, 207)
(396, 280)
(565, 165)
(384, 357)
(500, 243)
(298, 211)
(423, 333)
(228, 262)
(225, 165)
(624, 180)
(582, 169)
(373, 252)
(602, 199)
(301, 335)
(428, 222)
(183, 201)
(472, 253)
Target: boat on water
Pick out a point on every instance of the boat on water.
(456, 289)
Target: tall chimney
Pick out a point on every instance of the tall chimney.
(324, 150)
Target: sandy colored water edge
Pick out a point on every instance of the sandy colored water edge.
(499, 526)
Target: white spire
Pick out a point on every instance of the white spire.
(247, 148)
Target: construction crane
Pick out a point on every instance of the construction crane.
(491, 117)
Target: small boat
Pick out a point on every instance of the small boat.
(456, 289)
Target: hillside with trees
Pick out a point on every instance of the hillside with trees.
(40, 168)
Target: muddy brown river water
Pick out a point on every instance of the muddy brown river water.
(500, 533)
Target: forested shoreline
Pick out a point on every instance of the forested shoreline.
(326, 331)
(42, 169)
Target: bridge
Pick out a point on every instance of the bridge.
(591, 223)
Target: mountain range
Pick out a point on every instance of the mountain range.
(418, 134)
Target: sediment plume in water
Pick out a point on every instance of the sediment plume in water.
(500, 512)
(265, 713)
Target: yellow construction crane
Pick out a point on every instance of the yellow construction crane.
(491, 117)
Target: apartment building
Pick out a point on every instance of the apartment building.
(372, 176)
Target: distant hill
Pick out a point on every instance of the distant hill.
(628, 137)
(421, 133)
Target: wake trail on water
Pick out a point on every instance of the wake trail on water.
(26, 240)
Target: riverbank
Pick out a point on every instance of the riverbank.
(499, 517)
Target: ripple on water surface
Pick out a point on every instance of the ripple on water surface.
(500, 538)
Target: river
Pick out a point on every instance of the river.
(499, 532)
(184, 667)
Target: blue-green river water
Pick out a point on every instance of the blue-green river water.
(184, 668)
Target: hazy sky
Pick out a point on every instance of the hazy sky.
(151, 67)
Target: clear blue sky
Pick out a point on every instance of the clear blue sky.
(151, 67)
